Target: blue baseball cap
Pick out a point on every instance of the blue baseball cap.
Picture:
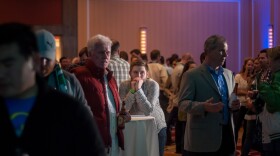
(46, 44)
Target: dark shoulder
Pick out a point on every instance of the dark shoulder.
(197, 70)
(59, 100)
(62, 108)
(68, 75)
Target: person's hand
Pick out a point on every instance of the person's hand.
(132, 84)
(136, 83)
(235, 105)
(250, 105)
(209, 106)
(252, 94)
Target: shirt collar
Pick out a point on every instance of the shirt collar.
(115, 56)
(218, 71)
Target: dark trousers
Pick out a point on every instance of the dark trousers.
(227, 147)
(172, 119)
(249, 140)
(163, 101)
(272, 149)
(179, 130)
(179, 135)
(239, 121)
(250, 130)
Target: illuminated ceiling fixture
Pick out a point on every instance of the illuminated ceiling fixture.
(143, 40)
(270, 36)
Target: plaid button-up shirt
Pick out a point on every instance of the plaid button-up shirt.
(120, 69)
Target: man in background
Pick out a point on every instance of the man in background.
(159, 73)
(204, 96)
(118, 66)
(101, 92)
(64, 62)
(135, 55)
(156, 70)
(36, 119)
(83, 55)
(124, 55)
(56, 78)
(173, 116)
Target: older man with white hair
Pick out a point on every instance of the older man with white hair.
(101, 92)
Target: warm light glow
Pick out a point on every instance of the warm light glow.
(58, 47)
(143, 40)
(270, 36)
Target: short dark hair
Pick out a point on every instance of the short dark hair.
(263, 51)
(135, 51)
(202, 57)
(133, 56)
(154, 54)
(62, 58)
(162, 61)
(115, 46)
(83, 51)
(124, 55)
(213, 42)
(139, 63)
(175, 56)
(22, 35)
(186, 68)
(144, 57)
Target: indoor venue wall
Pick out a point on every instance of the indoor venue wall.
(57, 16)
(83, 23)
(172, 27)
(245, 29)
(276, 22)
(261, 20)
(266, 12)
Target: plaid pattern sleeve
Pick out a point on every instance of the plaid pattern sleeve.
(120, 69)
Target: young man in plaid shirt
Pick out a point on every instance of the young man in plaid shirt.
(119, 66)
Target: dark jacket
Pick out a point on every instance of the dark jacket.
(74, 87)
(57, 125)
(92, 80)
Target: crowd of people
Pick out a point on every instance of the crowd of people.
(72, 107)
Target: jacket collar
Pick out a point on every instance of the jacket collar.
(207, 75)
(96, 71)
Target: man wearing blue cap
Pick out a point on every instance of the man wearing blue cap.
(56, 77)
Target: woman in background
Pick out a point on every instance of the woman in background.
(250, 117)
(242, 78)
